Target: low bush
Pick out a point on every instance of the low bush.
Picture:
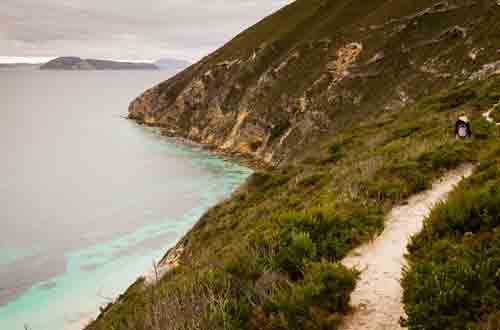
(407, 130)
(312, 180)
(295, 250)
(335, 152)
(482, 129)
(315, 302)
(453, 278)
(448, 156)
(302, 237)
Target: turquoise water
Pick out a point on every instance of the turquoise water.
(88, 199)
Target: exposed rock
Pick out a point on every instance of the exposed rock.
(454, 32)
(346, 56)
(486, 71)
(237, 99)
(379, 56)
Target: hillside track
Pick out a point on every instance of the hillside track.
(377, 298)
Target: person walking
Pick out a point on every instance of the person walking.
(462, 127)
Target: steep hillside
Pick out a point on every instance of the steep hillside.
(318, 65)
(353, 105)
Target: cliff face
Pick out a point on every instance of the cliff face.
(277, 87)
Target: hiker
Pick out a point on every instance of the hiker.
(462, 127)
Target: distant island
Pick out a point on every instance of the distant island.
(171, 66)
(77, 63)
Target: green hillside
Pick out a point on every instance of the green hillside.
(350, 107)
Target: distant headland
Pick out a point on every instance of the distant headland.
(74, 63)
(77, 63)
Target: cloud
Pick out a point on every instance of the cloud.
(125, 29)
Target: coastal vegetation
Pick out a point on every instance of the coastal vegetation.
(351, 106)
(453, 277)
(268, 257)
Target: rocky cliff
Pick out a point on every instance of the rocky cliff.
(276, 87)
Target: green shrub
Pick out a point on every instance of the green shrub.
(245, 267)
(448, 156)
(296, 249)
(406, 131)
(299, 237)
(382, 189)
(335, 152)
(316, 301)
(402, 179)
(453, 278)
(482, 129)
(312, 180)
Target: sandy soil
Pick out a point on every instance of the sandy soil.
(377, 298)
(487, 114)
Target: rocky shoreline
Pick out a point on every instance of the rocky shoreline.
(242, 159)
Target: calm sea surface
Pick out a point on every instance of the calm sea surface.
(88, 199)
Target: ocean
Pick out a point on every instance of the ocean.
(88, 199)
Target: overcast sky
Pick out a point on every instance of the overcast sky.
(125, 29)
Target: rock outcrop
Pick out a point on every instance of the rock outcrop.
(268, 95)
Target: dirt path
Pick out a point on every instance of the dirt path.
(377, 297)
(487, 114)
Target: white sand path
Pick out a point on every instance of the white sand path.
(377, 298)
(487, 114)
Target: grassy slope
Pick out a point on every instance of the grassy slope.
(418, 54)
(267, 257)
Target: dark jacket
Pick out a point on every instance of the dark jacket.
(463, 122)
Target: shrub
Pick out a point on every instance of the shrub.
(312, 180)
(299, 237)
(453, 278)
(245, 267)
(382, 189)
(314, 302)
(448, 156)
(406, 131)
(296, 249)
(335, 152)
(482, 129)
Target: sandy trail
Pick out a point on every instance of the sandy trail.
(377, 297)
(487, 114)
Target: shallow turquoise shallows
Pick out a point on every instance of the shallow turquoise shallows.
(88, 199)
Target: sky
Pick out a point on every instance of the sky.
(146, 30)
